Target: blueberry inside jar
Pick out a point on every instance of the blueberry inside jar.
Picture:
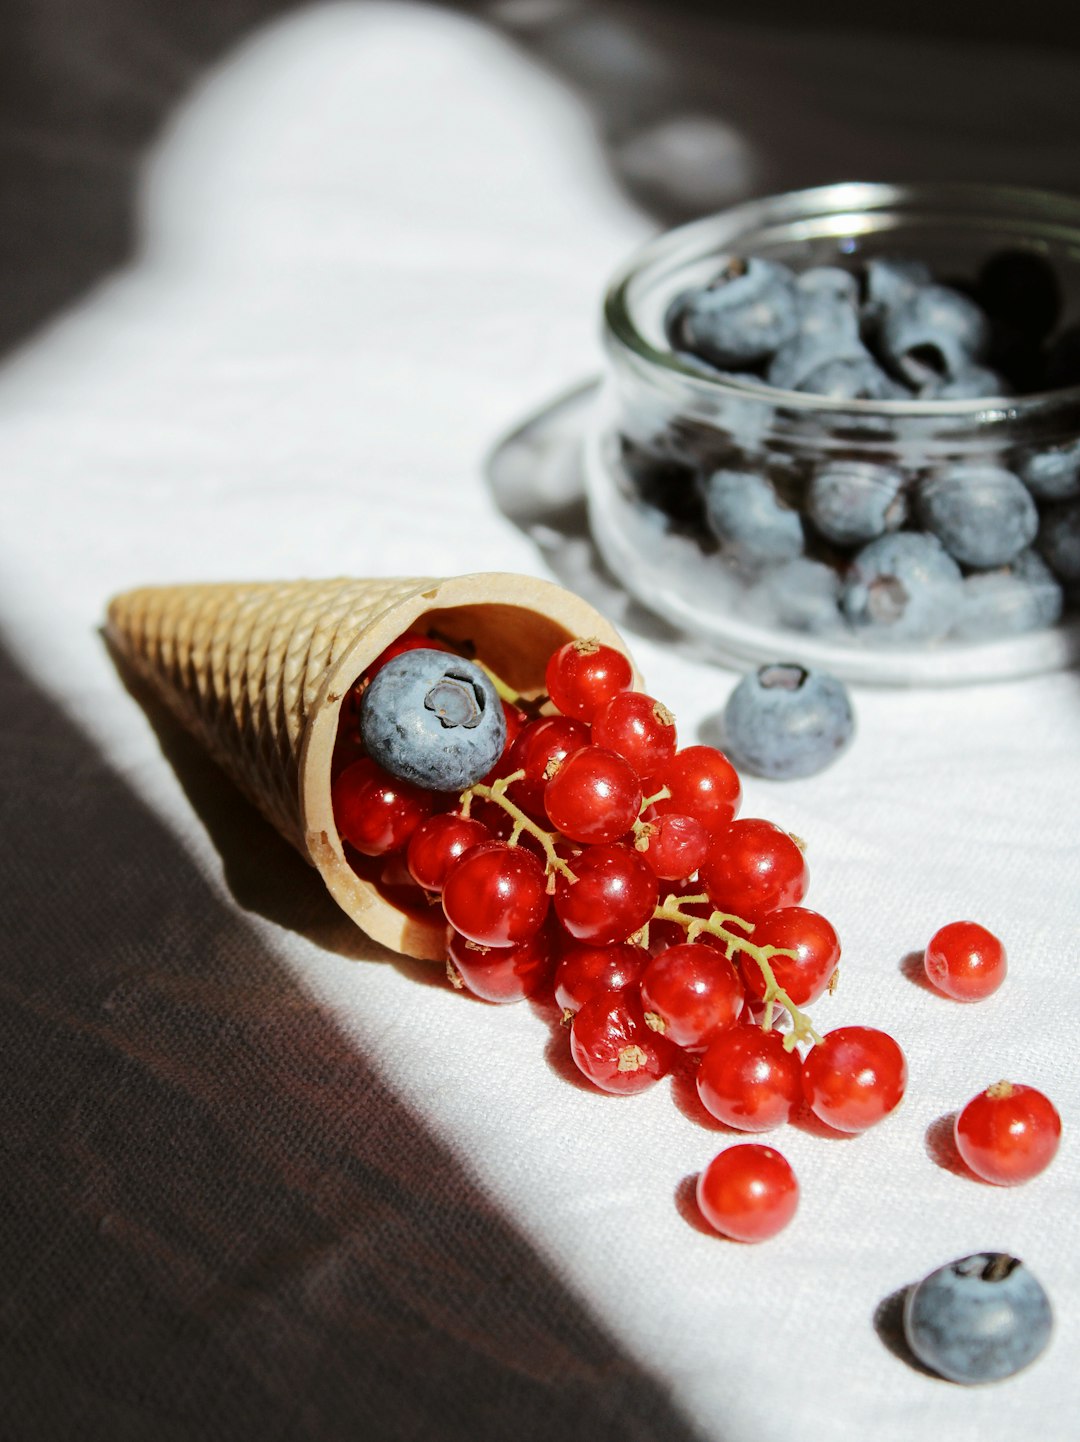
(850, 418)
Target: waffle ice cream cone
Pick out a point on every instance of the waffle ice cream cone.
(258, 671)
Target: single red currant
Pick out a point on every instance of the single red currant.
(584, 972)
(348, 747)
(502, 974)
(614, 1046)
(376, 812)
(516, 721)
(748, 1192)
(965, 961)
(495, 894)
(584, 675)
(854, 1077)
(674, 846)
(539, 750)
(748, 1079)
(754, 867)
(410, 641)
(437, 843)
(637, 727)
(807, 974)
(1008, 1134)
(594, 796)
(614, 895)
(692, 993)
(703, 784)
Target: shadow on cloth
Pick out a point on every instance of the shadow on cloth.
(216, 1220)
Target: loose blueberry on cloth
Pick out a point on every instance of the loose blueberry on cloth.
(783, 721)
(433, 719)
(978, 1319)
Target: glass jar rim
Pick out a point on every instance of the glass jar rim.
(1051, 211)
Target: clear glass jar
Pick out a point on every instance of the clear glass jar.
(664, 423)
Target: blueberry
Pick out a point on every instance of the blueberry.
(983, 515)
(1059, 541)
(740, 318)
(748, 518)
(978, 1319)
(803, 595)
(1052, 474)
(433, 719)
(904, 587)
(855, 378)
(828, 331)
(887, 283)
(970, 383)
(831, 282)
(1023, 596)
(936, 333)
(783, 721)
(851, 502)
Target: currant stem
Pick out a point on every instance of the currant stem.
(496, 793)
(532, 706)
(715, 924)
(505, 692)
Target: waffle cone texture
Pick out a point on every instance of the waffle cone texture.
(257, 673)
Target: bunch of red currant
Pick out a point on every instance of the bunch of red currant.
(600, 864)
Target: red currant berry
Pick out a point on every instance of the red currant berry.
(692, 993)
(965, 961)
(584, 972)
(748, 1192)
(807, 974)
(675, 846)
(502, 974)
(748, 1079)
(614, 895)
(854, 1077)
(437, 843)
(516, 721)
(703, 784)
(348, 747)
(496, 894)
(1008, 1133)
(754, 867)
(594, 796)
(376, 812)
(637, 727)
(539, 750)
(584, 675)
(614, 1046)
(410, 641)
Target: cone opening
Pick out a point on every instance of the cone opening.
(512, 624)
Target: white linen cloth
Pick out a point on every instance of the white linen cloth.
(374, 242)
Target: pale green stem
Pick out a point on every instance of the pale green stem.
(802, 1029)
(505, 692)
(496, 793)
